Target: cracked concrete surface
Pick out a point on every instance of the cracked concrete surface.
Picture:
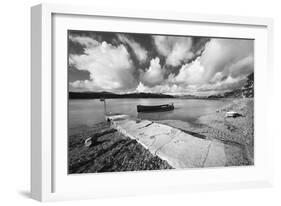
(179, 149)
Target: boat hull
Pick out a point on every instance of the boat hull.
(155, 108)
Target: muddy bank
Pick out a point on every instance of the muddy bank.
(238, 131)
(110, 152)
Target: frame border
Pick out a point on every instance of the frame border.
(42, 85)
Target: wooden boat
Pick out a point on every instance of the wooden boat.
(155, 108)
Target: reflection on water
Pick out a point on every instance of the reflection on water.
(89, 112)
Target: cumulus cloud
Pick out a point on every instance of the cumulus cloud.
(168, 88)
(154, 75)
(165, 88)
(84, 41)
(244, 66)
(139, 51)
(227, 84)
(175, 65)
(189, 73)
(110, 68)
(224, 55)
(175, 49)
(223, 65)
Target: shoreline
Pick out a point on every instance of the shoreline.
(115, 152)
(237, 131)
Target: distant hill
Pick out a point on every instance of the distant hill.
(247, 91)
(109, 95)
(188, 96)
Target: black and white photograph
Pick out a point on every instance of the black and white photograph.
(139, 102)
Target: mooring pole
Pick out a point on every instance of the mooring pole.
(104, 104)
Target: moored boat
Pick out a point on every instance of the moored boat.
(155, 108)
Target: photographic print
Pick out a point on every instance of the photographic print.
(140, 102)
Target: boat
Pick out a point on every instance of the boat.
(232, 114)
(155, 108)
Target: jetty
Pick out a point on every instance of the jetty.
(178, 148)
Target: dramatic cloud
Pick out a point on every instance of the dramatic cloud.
(200, 89)
(175, 49)
(102, 61)
(84, 41)
(222, 54)
(110, 68)
(229, 83)
(244, 67)
(189, 73)
(168, 88)
(139, 51)
(154, 75)
(222, 66)
(165, 88)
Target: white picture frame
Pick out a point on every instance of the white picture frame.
(49, 182)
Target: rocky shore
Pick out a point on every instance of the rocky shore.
(110, 151)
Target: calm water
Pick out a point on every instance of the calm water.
(89, 112)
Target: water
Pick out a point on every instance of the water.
(89, 112)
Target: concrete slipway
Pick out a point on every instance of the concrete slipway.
(179, 149)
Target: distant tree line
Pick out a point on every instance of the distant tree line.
(108, 95)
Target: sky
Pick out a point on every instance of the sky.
(179, 65)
